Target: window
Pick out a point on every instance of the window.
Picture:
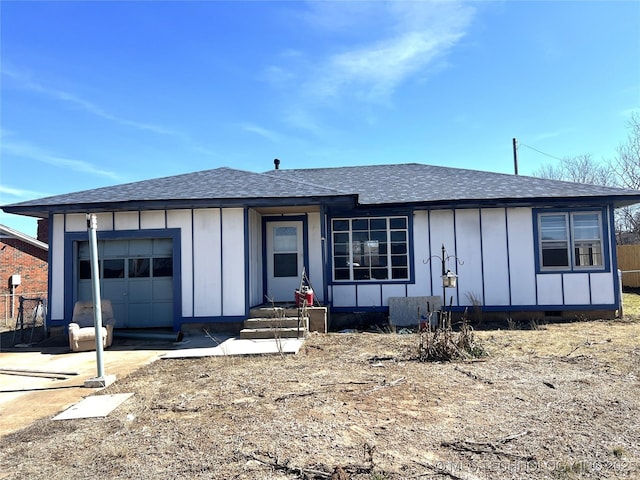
(570, 240)
(370, 249)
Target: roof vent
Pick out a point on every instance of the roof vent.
(276, 163)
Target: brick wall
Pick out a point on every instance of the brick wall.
(28, 261)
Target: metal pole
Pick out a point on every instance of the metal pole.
(92, 225)
(515, 156)
(444, 289)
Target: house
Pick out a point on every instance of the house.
(23, 270)
(204, 247)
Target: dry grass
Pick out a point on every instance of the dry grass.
(555, 403)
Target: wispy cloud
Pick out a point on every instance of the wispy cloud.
(263, 132)
(33, 152)
(6, 190)
(372, 48)
(28, 83)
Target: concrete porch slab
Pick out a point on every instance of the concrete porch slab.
(237, 346)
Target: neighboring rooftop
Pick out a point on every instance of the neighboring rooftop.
(6, 232)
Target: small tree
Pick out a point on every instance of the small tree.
(626, 166)
(580, 169)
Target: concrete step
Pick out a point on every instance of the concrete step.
(286, 322)
(270, 311)
(264, 333)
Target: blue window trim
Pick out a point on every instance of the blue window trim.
(70, 273)
(381, 213)
(604, 224)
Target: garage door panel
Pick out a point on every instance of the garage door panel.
(141, 295)
(140, 291)
(162, 289)
(163, 313)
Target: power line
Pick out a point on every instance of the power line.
(539, 151)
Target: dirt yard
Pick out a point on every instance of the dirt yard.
(557, 401)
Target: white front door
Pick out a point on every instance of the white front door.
(285, 259)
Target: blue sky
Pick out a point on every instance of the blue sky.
(102, 93)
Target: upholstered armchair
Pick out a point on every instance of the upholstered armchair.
(82, 333)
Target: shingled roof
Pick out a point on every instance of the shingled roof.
(418, 183)
(410, 183)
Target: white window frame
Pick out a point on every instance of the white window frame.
(368, 246)
(572, 242)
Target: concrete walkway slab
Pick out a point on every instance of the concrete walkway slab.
(93, 407)
(237, 346)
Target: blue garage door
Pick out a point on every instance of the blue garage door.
(136, 275)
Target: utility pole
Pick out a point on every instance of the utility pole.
(515, 156)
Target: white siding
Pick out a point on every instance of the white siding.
(126, 221)
(152, 219)
(550, 289)
(344, 295)
(468, 250)
(233, 259)
(105, 221)
(521, 258)
(442, 233)
(182, 219)
(602, 291)
(206, 263)
(76, 222)
(421, 253)
(316, 269)
(389, 291)
(494, 256)
(576, 289)
(369, 296)
(56, 268)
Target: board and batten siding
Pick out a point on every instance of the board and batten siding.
(212, 284)
(492, 250)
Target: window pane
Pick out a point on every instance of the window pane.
(399, 273)
(379, 235)
(553, 227)
(378, 224)
(285, 239)
(340, 238)
(340, 225)
(555, 256)
(586, 226)
(113, 268)
(341, 274)
(588, 254)
(84, 270)
(398, 260)
(162, 267)
(340, 262)
(139, 267)
(341, 249)
(399, 236)
(379, 273)
(360, 273)
(285, 264)
(398, 248)
(360, 224)
(400, 222)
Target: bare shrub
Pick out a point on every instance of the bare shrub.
(444, 344)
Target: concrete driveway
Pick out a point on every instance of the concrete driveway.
(25, 398)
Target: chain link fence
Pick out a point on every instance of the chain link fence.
(10, 304)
